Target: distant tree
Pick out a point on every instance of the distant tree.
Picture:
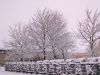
(89, 29)
(65, 42)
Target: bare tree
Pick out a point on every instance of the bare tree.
(37, 30)
(18, 42)
(46, 29)
(89, 29)
(58, 34)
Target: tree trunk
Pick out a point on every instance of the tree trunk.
(92, 51)
(44, 53)
(21, 59)
(44, 40)
(93, 54)
(63, 54)
(54, 54)
(67, 56)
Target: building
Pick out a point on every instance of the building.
(2, 56)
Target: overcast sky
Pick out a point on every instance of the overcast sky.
(14, 11)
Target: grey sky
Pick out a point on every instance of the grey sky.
(14, 11)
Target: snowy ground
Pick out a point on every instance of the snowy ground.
(3, 72)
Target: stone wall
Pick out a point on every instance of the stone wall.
(57, 67)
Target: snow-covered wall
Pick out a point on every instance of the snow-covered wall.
(90, 66)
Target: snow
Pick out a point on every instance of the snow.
(3, 72)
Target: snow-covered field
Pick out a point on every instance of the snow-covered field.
(3, 72)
